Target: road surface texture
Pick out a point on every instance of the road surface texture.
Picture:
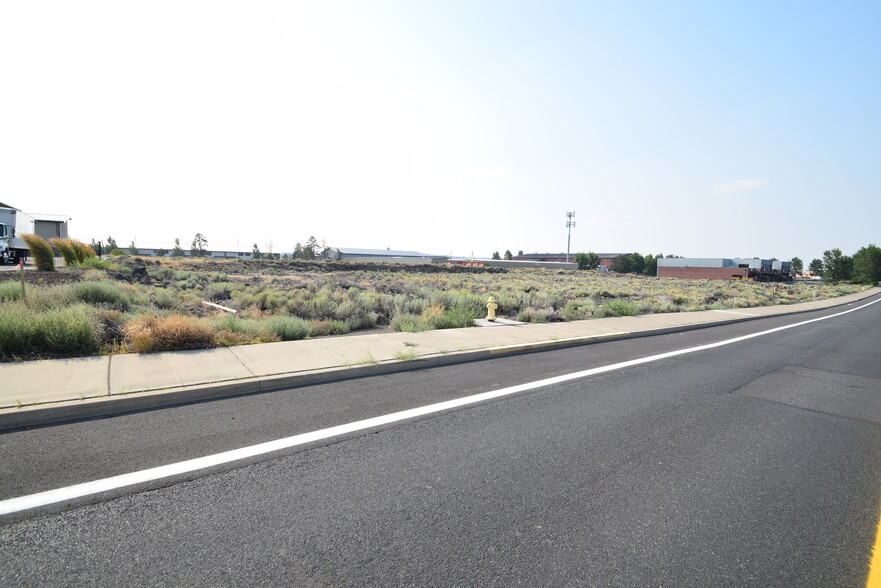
(750, 464)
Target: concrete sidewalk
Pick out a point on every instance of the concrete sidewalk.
(47, 391)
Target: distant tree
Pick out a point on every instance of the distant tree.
(111, 244)
(310, 250)
(587, 261)
(796, 266)
(177, 251)
(496, 255)
(508, 255)
(837, 267)
(867, 265)
(161, 252)
(816, 267)
(132, 248)
(519, 252)
(632, 263)
(651, 264)
(637, 263)
(255, 253)
(199, 246)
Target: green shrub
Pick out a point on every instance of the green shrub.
(165, 299)
(255, 329)
(535, 315)
(41, 298)
(409, 323)
(451, 318)
(576, 310)
(219, 291)
(160, 273)
(350, 309)
(321, 307)
(365, 321)
(10, 291)
(318, 328)
(96, 263)
(71, 330)
(103, 293)
(289, 328)
(41, 251)
(620, 307)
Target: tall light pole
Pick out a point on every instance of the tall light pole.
(569, 224)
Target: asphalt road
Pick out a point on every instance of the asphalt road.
(750, 464)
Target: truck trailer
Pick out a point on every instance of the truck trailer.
(12, 224)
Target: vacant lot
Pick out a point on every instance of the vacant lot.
(142, 305)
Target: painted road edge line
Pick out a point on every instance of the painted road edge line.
(75, 491)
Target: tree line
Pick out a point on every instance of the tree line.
(508, 255)
(630, 263)
(312, 249)
(863, 267)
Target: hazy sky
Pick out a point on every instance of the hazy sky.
(704, 129)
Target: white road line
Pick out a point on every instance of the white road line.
(116, 482)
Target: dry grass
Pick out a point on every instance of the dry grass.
(150, 333)
(74, 252)
(41, 251)
(163, 310)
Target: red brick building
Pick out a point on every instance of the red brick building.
(760, 270)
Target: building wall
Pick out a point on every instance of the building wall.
(703, 273)
(50, 230)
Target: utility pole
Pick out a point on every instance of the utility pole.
(569, 224)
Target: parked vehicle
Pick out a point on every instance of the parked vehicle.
(12, 224)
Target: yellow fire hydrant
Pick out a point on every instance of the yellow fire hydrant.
(491, 307)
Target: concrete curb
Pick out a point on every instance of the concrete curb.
(116, 404)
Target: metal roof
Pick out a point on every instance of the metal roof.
(381, 252)
(51, 218)
(601, 255)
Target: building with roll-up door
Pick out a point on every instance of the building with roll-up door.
(48, 226)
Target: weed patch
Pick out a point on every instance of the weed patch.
(149, 333)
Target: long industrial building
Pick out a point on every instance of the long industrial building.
(718, 268)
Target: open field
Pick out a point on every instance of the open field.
(143, 305)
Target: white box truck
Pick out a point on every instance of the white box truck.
(12, 224)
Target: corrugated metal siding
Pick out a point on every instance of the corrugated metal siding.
(50, 230)
(708, 262)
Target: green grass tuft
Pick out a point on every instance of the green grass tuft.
(71, 330)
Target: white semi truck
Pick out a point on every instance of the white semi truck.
(12, 224)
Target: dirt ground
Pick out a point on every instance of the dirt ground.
(31, 276)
